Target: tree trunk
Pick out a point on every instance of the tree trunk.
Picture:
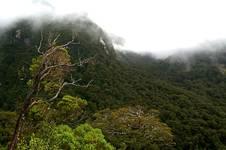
(17, 132)
(20, 119)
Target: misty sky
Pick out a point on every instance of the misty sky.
(157, 26)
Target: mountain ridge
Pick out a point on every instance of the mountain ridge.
(190, 97)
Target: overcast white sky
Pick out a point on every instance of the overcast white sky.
(157, 26)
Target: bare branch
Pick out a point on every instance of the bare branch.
(68, 43)
(40, 44)
(57, 94)
(52, 46)
(45, 74)
(80, 63)
(59, 65)
(79, 85)
(33, 103)
(52, 50)
(74, 83)
(54, 41)
(50, 39)
(60, 89)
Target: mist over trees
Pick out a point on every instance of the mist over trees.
(91, 96)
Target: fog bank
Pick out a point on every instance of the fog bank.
(160, 27)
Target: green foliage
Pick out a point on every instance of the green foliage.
(84, 137)
(34, 144)
(133, 127)
(91, 138)
(64, 138)
(66, 110)
(7, 123)
(70, 103)
(69, 108)
(36, 62)
(51, 80)
(190, 96)
(39, 112)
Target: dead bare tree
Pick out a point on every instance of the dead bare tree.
(47, 66)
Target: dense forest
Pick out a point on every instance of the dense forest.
(116, 99)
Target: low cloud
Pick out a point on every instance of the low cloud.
(148, 26)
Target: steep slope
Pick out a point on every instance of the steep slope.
(191, 98)
(194, 102)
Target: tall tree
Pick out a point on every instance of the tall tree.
(49, 75)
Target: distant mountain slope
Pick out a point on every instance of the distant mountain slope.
(190, 95)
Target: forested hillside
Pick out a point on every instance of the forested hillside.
(138, 101)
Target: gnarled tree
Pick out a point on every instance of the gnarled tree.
(50, 72)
